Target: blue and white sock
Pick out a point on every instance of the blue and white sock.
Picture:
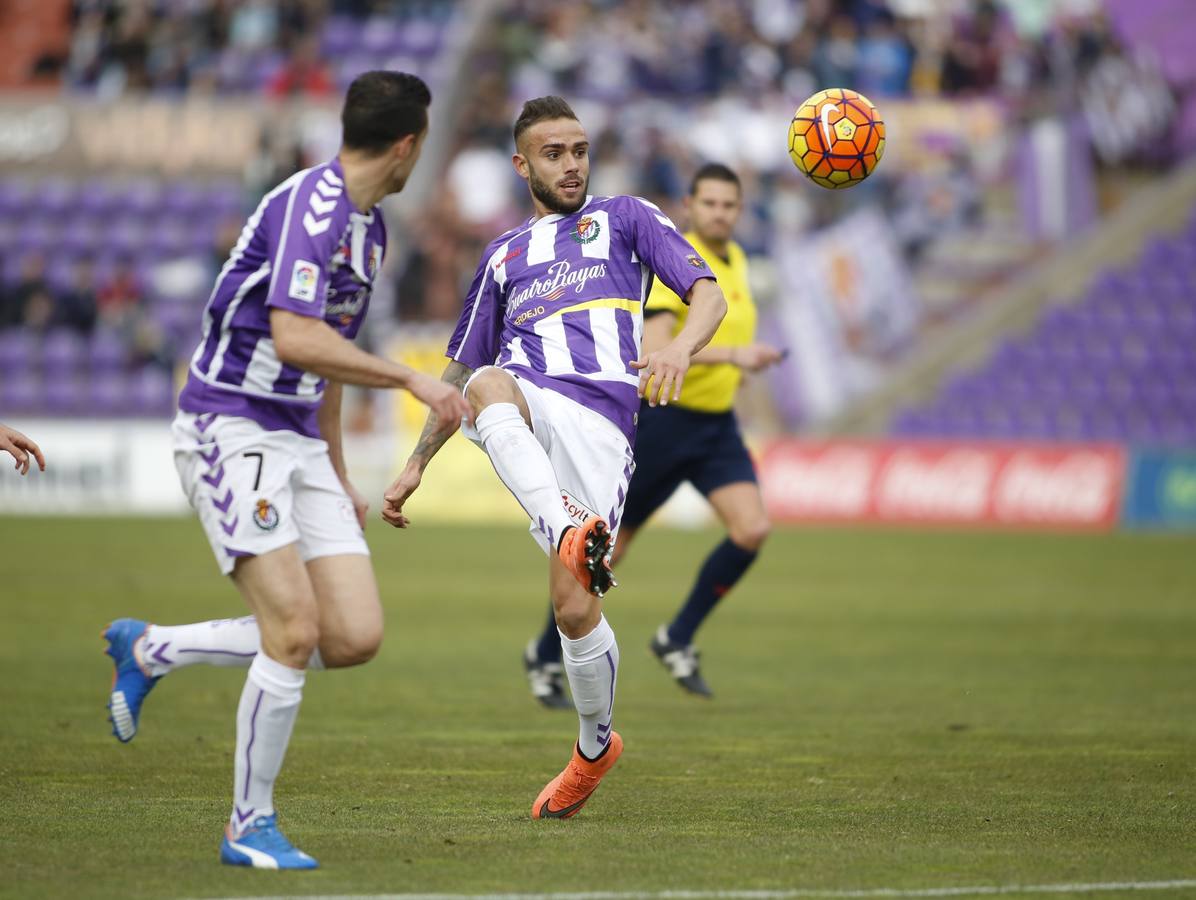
(265, 716)
(232, 643)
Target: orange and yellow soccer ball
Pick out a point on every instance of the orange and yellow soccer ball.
(836, 138)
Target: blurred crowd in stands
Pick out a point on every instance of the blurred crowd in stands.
(662, 86)
(276, 47)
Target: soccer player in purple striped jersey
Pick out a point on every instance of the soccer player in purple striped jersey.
(547, 352)
(258, 450)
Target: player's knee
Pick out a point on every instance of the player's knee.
(359, 647)
(299, 638)
(751, 535)
(490, 386)
(575, 618)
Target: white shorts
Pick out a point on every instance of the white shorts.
(257, 490)
(592, 459)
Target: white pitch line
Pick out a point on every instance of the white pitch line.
(795, 894)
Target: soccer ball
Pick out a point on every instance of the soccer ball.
(836, 138)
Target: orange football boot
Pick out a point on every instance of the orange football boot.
(585, 551)
(565, 795)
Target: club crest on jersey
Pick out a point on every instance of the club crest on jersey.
(265, 515)
(586, 230)
(696, 261)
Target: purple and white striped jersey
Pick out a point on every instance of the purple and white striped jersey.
(559, 300)
(305, 249)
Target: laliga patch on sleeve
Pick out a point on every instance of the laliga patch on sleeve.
(304, 278)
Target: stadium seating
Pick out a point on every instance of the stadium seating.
(1118, 365)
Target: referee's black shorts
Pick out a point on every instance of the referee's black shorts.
(673, 445)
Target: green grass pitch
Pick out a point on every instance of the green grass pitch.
(894, 710)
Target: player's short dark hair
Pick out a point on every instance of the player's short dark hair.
(714, 172)
(542, 109)
(383, 107)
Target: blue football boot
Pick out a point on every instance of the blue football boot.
(263, 846)
(130, 683)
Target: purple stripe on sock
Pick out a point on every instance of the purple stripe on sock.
(252, 735)
(611, 662)
(242, 816)
(159, 654)
(222, 652)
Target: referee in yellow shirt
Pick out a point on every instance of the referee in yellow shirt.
(694, 439)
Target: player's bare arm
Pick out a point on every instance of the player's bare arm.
(312, 345)
(662, 372)
(329, 418)
(436, 431)
(751, 358)
(21, 448)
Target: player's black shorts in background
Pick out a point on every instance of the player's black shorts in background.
(673, 445)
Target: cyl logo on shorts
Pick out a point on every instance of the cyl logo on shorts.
(265, 516)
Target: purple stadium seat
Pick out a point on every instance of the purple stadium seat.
(62, 395)
(181, 199)
(169, 239)
(151, 392)
(106, 352)
(56, 196)
(126, 236)
(108, 394)
(16, 196)
(39, 236)
(80, 237)
(19, 351)
(142, 199)
(20, 393)
(62, 353)
(381, 34)
(97, 197)
(341, 35)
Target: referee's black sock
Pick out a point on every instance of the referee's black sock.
(723, 567)
(548, 647)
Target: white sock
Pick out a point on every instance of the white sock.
(592, 665)
(524, 467)
(221, 642)
(265, 717)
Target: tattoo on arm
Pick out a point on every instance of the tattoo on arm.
(432, 438)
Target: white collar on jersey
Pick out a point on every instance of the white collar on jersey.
(556, 217)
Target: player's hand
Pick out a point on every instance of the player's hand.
(755, 357)
(444, 400)
(396, 495)
(21, 448)
(360, 504)
(662, 373)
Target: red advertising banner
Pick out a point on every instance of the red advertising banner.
(1066, 486)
